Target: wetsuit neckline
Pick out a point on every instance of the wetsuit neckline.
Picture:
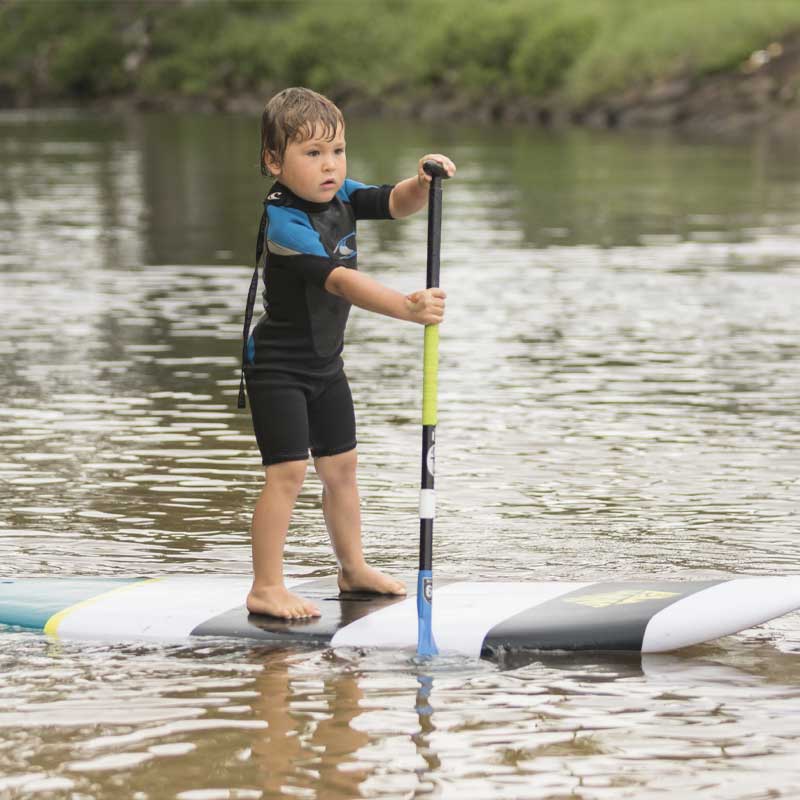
(299, 202)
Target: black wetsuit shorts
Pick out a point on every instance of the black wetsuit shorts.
(293, 413)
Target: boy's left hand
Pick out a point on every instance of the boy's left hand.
(426, 306)
(449, 167)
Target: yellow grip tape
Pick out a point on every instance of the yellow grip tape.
(430, 375)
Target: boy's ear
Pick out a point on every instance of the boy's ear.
(272, 162)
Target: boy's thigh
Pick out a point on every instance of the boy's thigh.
(331, 419)
(280, 421)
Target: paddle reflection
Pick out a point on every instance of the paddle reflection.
(422, 738)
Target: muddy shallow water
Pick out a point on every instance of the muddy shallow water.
(619, 392)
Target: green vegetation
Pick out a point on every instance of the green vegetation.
(573, 51)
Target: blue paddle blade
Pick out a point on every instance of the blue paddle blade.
(426, 646)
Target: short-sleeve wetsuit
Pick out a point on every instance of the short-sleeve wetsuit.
(299, 395)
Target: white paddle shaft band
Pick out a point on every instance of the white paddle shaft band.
(427, 504)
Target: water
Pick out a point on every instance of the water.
(618, 398)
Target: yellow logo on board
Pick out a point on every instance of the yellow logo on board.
(623, 597)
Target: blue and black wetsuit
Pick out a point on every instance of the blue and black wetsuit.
(299, 395)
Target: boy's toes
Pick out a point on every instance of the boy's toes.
(395, 587)
(307, 611)
(277, 601)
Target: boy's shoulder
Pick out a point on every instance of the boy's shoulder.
(349, 187)
(290, 231)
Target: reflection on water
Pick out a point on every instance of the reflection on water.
(220, 721)
(618, 397)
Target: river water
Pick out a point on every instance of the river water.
(619, 398)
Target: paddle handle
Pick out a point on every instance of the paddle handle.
(430, 373)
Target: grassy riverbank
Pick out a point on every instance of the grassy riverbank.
(506, 59)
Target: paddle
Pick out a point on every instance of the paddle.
(426, 646)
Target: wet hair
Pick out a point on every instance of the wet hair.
(293, 115)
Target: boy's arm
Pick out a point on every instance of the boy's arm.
(407, 197)
(425, 307)
(410, 195)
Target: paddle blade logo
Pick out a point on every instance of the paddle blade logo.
(623, 597)
(427, 589)
(430, 463)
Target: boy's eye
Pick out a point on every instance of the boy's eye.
(313, 153)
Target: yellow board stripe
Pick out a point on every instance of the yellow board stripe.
(51, 626)
(430, 375)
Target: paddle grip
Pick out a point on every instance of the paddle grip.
(434, 169)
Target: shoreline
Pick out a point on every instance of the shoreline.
(763, 94)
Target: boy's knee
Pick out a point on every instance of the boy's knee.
(287, 476)
(337, 471)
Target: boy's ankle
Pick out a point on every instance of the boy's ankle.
(356, 565)
(265, 586)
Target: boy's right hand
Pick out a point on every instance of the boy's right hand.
(426, 306)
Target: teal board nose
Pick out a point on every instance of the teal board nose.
(30, 602)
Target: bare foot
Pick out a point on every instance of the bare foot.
(278, 601)
(367, 579)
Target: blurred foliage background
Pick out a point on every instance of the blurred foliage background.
(569, 51)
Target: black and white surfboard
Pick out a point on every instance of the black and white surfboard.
(469, 618)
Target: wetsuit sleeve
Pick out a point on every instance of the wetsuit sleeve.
(291, 237)
(368, 202)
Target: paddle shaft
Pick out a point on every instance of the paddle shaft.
(430, 375)
(427, 499)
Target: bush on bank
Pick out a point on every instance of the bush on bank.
(573, 51)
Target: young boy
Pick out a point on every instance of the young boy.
(299, 395)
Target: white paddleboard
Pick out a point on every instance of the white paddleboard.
(469, 618)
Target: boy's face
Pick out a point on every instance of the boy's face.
(314, 168)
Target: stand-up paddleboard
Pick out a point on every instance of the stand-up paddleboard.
(470, 618)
